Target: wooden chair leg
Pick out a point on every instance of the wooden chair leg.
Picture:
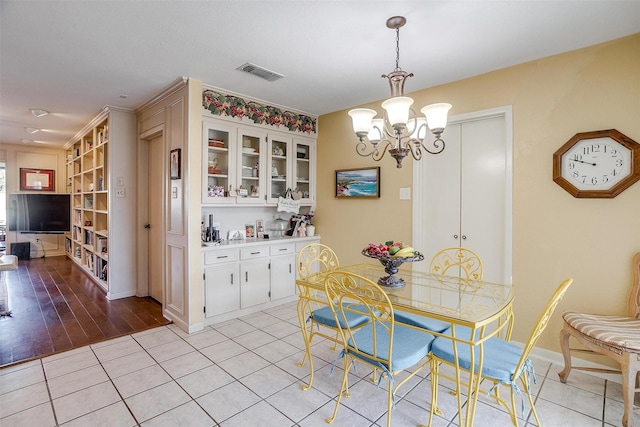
(566, 354)
(629, 374)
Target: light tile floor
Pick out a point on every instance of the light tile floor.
(244, 373)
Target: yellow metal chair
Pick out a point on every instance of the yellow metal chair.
(459, 262)
(316, 258)
(381, 342)
(617, 337)
(503, 363)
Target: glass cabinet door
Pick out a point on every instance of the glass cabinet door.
(218, 169)
(303, 169)
(249, 175)
(279, 152)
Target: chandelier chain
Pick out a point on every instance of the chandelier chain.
(397, 49)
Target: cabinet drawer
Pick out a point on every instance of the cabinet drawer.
(254, 252)
(216, 257)
(282, 249)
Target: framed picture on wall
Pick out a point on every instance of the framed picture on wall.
(37, 179)
(174, 164)
(359, 183)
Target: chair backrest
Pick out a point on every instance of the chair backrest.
(542, 322)
(350, 293)
(457, 261)
(634, 297)
(314, 258)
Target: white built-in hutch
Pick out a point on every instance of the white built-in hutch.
(252, 153)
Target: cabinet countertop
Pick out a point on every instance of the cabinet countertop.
(227, 244)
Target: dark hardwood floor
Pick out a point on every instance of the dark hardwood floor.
(56, 307)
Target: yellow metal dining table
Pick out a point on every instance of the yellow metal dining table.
(482, 306)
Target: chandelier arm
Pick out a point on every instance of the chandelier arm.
(377, 151)
(381, 150)
(414, 146)
(437, 143)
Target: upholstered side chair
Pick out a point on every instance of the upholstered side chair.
(617, 337)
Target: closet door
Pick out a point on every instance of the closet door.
(463, 195)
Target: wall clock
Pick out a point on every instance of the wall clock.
(598, 164)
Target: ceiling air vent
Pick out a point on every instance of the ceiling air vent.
(259, 71)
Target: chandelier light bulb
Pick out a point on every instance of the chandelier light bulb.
(436, 115)
(362, 118)
(398, 109)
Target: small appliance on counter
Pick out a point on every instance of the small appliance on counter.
(278, 226)
(211, 233)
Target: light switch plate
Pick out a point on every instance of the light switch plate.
(405, 193)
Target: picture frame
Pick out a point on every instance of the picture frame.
(260, 228)
(358, 183)
(37, 179)
(175, 161)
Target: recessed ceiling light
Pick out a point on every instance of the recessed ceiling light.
(124, 95)
(38, 112)
(32, 130)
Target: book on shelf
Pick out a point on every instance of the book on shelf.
(88, 202)
(102, 245)
(88, 237)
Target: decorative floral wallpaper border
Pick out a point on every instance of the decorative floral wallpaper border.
(220, 104)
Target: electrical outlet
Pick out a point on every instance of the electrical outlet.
(37, 240)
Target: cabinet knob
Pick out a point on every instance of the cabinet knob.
(455, 236)
(147, 226)
(464, 237)
(232, 278)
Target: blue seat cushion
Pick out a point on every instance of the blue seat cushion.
(500, 357)
(423, 322)
(324, 316)
(409, 345)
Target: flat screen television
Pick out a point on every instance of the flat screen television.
(39, 213)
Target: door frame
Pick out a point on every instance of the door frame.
(418, 178)
(143, 212)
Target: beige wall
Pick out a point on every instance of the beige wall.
(554, 235)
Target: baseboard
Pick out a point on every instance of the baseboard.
(196, 327)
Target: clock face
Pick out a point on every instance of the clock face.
(596, 164)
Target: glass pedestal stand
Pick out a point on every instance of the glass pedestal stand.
(391, 264)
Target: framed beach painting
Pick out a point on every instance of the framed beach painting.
(358, 183)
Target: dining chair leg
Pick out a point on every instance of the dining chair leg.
(527, 389)
(306, 337)
(389, 402)
(629, 375)
(566, 355)
(435, 370)
(343, 387)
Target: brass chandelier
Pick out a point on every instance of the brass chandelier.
(400, 131)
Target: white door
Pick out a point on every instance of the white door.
(463, 195)
(156, 162)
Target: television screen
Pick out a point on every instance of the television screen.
(39, 213)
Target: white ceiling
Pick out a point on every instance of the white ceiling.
(74, 57)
